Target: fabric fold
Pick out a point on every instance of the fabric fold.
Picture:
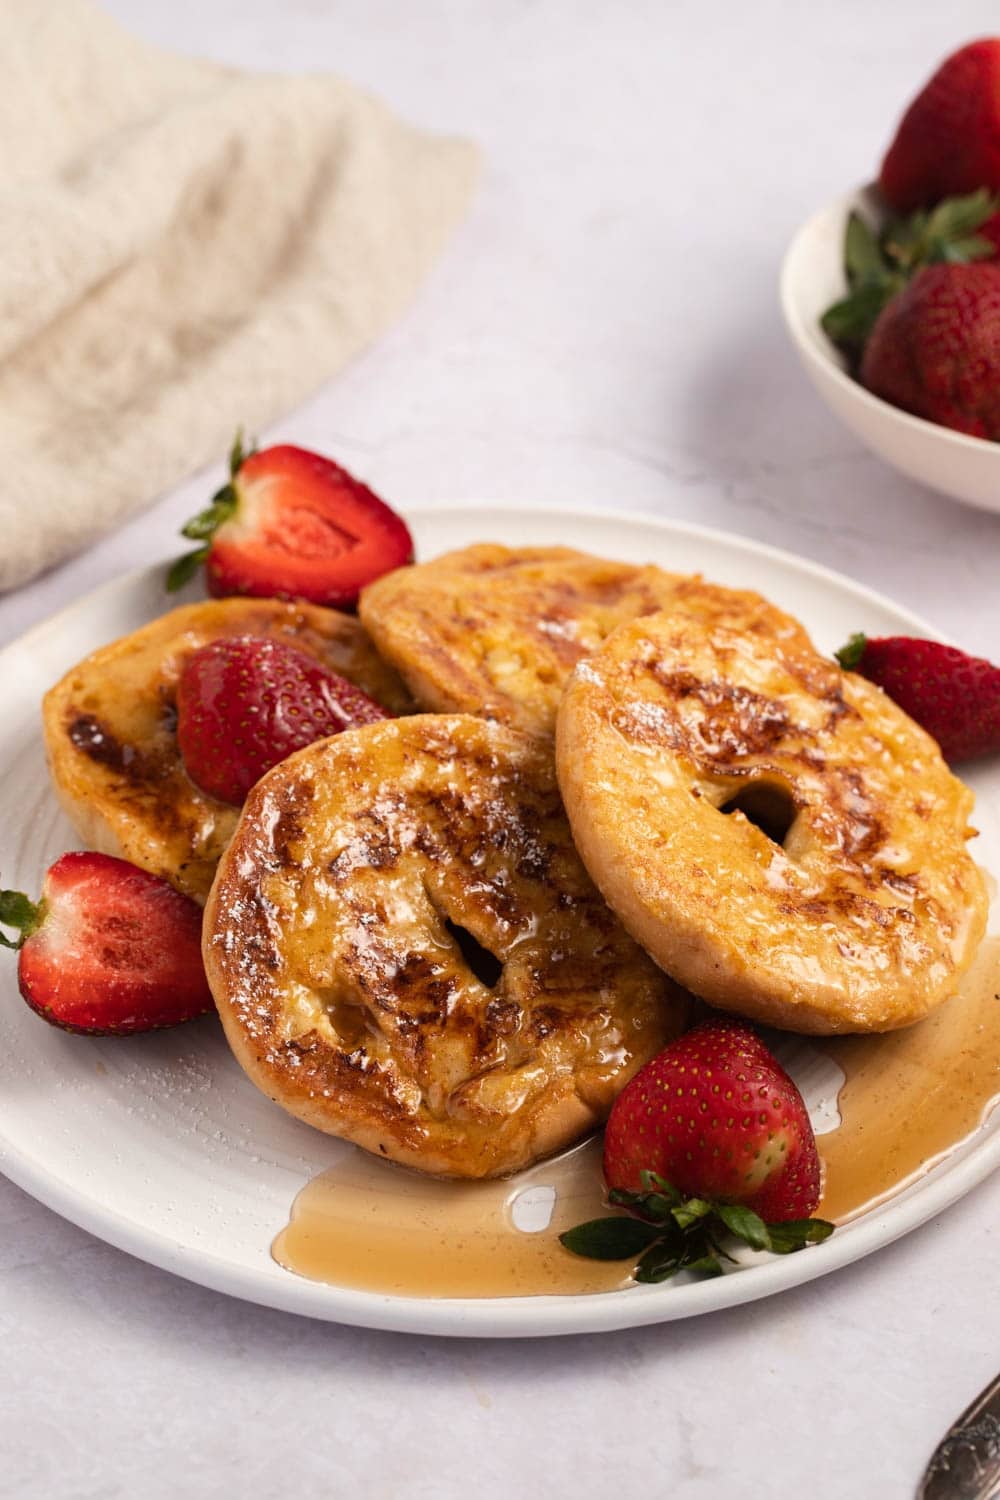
(195, 249)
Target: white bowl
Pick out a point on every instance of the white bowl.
(812, 276)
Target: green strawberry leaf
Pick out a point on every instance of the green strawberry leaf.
(184, 568)
(863, 258)
(610, 1239)
(795, 1234)
(203, 526)
(691, 1211)
(238, 455)
(877, 266)
(850, 655)
(687, 1235)
(972, 247)
(848, 323)
(657, 1207)
(206, 523)
(705, 1265)
(652, 1182)
(745, 1224)
(954, 218)
(18, 912)
(657, 1264)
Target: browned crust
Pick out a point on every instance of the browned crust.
(495, 631)
(344, 993)
(870, 912)
(110, 740)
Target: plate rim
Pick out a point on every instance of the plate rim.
(511, 1317)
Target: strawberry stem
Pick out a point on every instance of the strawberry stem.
(17, 911)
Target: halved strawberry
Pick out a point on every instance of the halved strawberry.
(955, 697)
(246, 702)
(109, 949)
(291, 524)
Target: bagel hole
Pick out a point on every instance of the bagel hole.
(484, 964)
(767, 805)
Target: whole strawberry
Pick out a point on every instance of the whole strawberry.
(717, 1115)
(935, 349)
(709, 1139)
(948, 141)
(955, 697)
(244, 703)
(879, 262)
(109, 949)
(291, 524)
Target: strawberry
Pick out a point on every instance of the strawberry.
(948, 141)
(955, 697)
(935, 349)
(710, 1137)
(246, 702)
(109, 949)
(878, 265)
(291, 524)
(716, 1114)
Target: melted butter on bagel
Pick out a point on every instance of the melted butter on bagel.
(110, 730)
(340, 937)
(777, 833)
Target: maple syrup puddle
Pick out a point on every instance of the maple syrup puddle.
(377, 1227)
(909, 1097)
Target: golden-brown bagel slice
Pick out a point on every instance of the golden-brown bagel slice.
(110, 730)
(859, 913)
(496, 631)
(337, 944)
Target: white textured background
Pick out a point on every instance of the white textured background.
(604, 331)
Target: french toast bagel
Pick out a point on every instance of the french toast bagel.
(110, 730)
(777, 833)
(406, 951)
(496, 631)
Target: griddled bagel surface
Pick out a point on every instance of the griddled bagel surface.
(110, 730)
(777, 833)
(407, 952)
(496, 631)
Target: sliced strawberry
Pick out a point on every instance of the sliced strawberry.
(955, 697)
(291, 524)
(247, 702)
(109, 949)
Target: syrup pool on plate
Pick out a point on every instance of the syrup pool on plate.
(376, 1227)
(911, 1096)
(908, 1098)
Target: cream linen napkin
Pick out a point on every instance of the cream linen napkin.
(185, 248)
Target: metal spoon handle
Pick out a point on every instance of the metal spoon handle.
(965, 1464)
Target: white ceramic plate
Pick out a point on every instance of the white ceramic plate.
(160, 1145)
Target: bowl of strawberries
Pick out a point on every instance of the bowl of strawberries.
(891, 295)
